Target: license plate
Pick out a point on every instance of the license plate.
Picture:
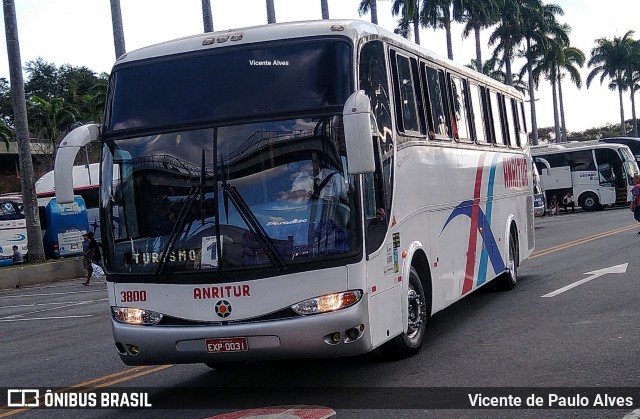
(227, 345)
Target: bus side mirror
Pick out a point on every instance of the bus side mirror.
(66, 155)
(358, 134)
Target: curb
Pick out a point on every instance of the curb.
(17, 276)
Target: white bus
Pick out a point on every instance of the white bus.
(595, 173)
(85, 183)
(309, 189)
(13, 227)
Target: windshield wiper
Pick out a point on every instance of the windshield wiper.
(177, 228)
(252, 222)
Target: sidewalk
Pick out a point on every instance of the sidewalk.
(17, 276)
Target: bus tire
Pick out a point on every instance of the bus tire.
(509, 279)
(408, 344)
(589, 201)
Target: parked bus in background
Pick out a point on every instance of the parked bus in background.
(85, 184)
(632, 142)
(309, 189)
(595, 173)
(539, 200)
(13, 226)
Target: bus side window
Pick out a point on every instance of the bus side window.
(460, 108)
(406, 106)
(496, 118)
(378, 186)
(477, 114)
(512, 114)
(436, 94)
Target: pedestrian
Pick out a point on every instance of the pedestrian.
(17, 255)
(87, 255)
(635, 198)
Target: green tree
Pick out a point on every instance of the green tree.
(507, 35)
(632, 74)
(609, 59)
(6, 133)
(49, 118)
(367, 6)
(476, 15)
(409, 13)
(538, 24)
(437, 14)
(27, 182)
(568, 59)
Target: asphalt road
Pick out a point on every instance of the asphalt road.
(543, 337)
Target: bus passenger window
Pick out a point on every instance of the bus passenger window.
(407, 95)
(477, 116)
(513, 132)
(436, 94)
(496, 117)
(460, 100)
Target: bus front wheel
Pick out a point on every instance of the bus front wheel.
(418, 313)
(589, 202)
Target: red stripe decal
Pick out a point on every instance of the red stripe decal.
(473, 230)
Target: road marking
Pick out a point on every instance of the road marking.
(45, 318)
(581, 241)
(51, 293)
(68, 305)
(618, 269)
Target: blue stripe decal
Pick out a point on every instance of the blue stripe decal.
(464, 208)
(482, 269)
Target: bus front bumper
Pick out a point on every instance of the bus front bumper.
(314, 336)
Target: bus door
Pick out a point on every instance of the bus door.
(611, 175)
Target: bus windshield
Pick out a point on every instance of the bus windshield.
(265, 194)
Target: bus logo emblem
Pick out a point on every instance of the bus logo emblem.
(223, 308)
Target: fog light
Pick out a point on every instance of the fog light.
(134, 349)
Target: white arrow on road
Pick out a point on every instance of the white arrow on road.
(618, 269)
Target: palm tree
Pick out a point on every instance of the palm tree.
(409, 14)
(476, 15)
(492, 68)
(537, 24)
(437, 14)
(567, 60)
(49, 117)
(609, 59)
(207, 19)
(271, 12)
(633, 80)
(27, 183)
(325, 9)
(6, 133)
(118, 32)
(369, 5)
(507, 35)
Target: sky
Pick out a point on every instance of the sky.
(79, 32)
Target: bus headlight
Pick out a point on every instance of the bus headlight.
(326, 303)
(130, 315)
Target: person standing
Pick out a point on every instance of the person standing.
(87, 256)
(635, 199)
